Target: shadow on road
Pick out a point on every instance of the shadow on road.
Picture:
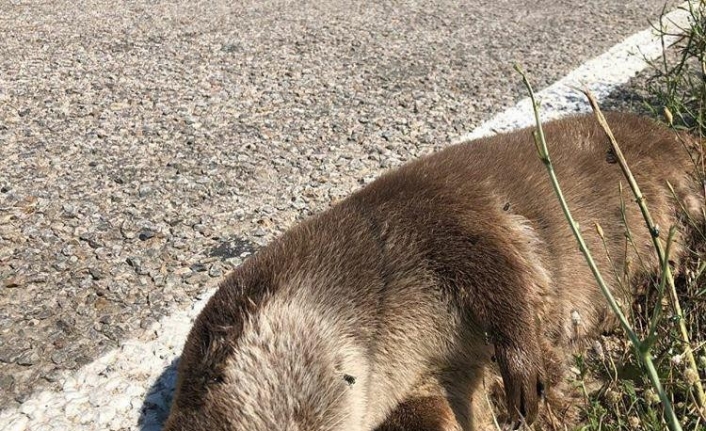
(155, 407)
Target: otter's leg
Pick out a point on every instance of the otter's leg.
(504, 298)
(429, 413)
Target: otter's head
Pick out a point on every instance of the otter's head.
(267, 365)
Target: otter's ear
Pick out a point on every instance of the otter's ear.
(215, 345)
(349, 379)
(216, 342)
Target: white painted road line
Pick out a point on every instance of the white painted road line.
(110, 392)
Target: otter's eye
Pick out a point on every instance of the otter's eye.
(349, 379)
(216, 379)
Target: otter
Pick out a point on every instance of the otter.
(386, 311)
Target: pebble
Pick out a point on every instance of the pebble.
(27, 358)
(215, 271)
(29, 408)
(18, 424)
(77, 407)
(6, 382)
(146, 234)
(7, 355)
(124, 401)
(113, 383)
(97, 273)
(106, 414)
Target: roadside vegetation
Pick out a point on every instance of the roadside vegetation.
(650, 374)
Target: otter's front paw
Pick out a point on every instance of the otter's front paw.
(524, 379)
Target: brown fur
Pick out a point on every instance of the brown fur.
(421, 414)
(414, 284)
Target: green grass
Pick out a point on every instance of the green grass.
(677, 81)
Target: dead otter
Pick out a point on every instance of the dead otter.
(384, 311)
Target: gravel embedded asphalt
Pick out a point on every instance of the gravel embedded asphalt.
(147, 147)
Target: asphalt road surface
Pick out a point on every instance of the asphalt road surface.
(147, 147)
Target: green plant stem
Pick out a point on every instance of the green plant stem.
(657, 311)
(659, 247)
(643, 353)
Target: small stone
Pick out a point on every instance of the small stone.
(53, 426)
(29, 408)
(18, 424)
(106, 414)
(197, 279)
(198, 267)
(70, 211)
(126, 231)
(90, 239)
(155, 297)
(7, 382)
(145, 191)
(28, 358)
(66, 324)
(146, 234)
(97, 273)
(61, 358)
(147, 323)
(113, 332)
(38, 278)
(112, 384)
(134, 262)
(183, 271)
(69, 386)
(22, 397)
(13, 282)
(53, 376)
(123, 402)
(135, 390)
(43, 313)
(76, 405)
(118, 106)
(203, 230)
(86, 283)
(299, 204)
(215, 271)
(6, 355)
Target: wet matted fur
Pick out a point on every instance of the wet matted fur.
(387, 310)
